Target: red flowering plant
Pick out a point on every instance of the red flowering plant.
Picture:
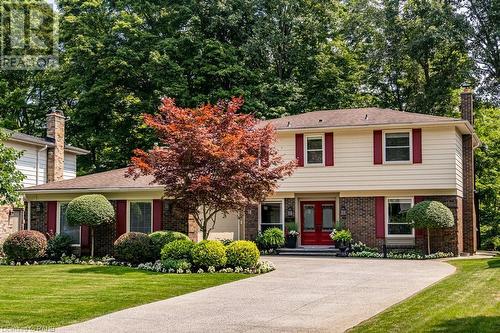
(211, 158)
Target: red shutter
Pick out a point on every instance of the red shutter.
(85, 234)
(380, 217)
(329, 149)
(377, 147)
(157, 214)
(417, 145)
(299, 149)
(419, 233)
(51, 217)
(121, 217)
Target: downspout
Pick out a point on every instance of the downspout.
(37, 163)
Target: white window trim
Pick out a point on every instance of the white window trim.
(315, 136)
(282, 217)
(58, 223)
(410, 138)
(387, 218)
(128, 212)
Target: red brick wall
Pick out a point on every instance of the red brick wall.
(469, 213)
(360, 219)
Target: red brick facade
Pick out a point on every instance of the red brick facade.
(360, 219)
(468, 205)
(174, 218)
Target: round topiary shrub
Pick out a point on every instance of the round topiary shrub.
(25, 245)
(209, 253)
(179, 249)
(430, 215)
(160, 238)
(243, 254)
(90, 210)
(133, 247)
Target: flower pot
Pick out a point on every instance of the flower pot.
(291, 242)
(343, 247)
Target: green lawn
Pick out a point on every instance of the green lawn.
(48, 296)
(467, 301)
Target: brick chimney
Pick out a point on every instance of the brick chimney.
(468, 208)
(55, 155)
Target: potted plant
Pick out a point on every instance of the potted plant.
(342, 240)
(291, 235)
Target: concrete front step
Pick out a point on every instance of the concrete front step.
(309, 251)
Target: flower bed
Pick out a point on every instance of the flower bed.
(413, 255)
(260, 268)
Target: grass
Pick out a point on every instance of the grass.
(467, 301)
(48, 296)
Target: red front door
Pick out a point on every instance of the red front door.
(317, 222)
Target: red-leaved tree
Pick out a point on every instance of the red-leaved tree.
(211, 158)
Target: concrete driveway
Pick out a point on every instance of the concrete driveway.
(303, 295)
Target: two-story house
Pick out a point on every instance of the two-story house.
(363, 167)
(43, 160)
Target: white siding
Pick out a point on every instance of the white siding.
(354, 169)
(69, 166)
(459, 163)
(27, 163)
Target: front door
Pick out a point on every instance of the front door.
(317, 222)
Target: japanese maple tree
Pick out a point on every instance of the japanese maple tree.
(211, 159)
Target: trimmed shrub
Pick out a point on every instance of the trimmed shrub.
(271, 239)
(243, 254)
(25, 245)
(91, 210)
(179, 249)
(209, 253)
(57, 245)
(160, 238)
(133, 247)
(431, 215)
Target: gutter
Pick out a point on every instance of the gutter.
(91, 190)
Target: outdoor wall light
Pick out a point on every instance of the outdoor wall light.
(289, 212)
(343, 211)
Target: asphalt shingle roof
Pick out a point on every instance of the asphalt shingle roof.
(353, 117)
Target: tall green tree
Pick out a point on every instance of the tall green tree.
(488, 172)
(484, 18)
(11, 179)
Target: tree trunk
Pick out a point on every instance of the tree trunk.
(428, 242)
(92, 242)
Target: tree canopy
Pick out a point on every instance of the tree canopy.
(119, 58)
(11, 179)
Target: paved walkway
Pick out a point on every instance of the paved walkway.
(302, 295)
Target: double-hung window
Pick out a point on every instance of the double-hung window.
(397, 147)
(314, 150)
(397, 225)
(140, 216)
(271, 215)
(64, 228)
